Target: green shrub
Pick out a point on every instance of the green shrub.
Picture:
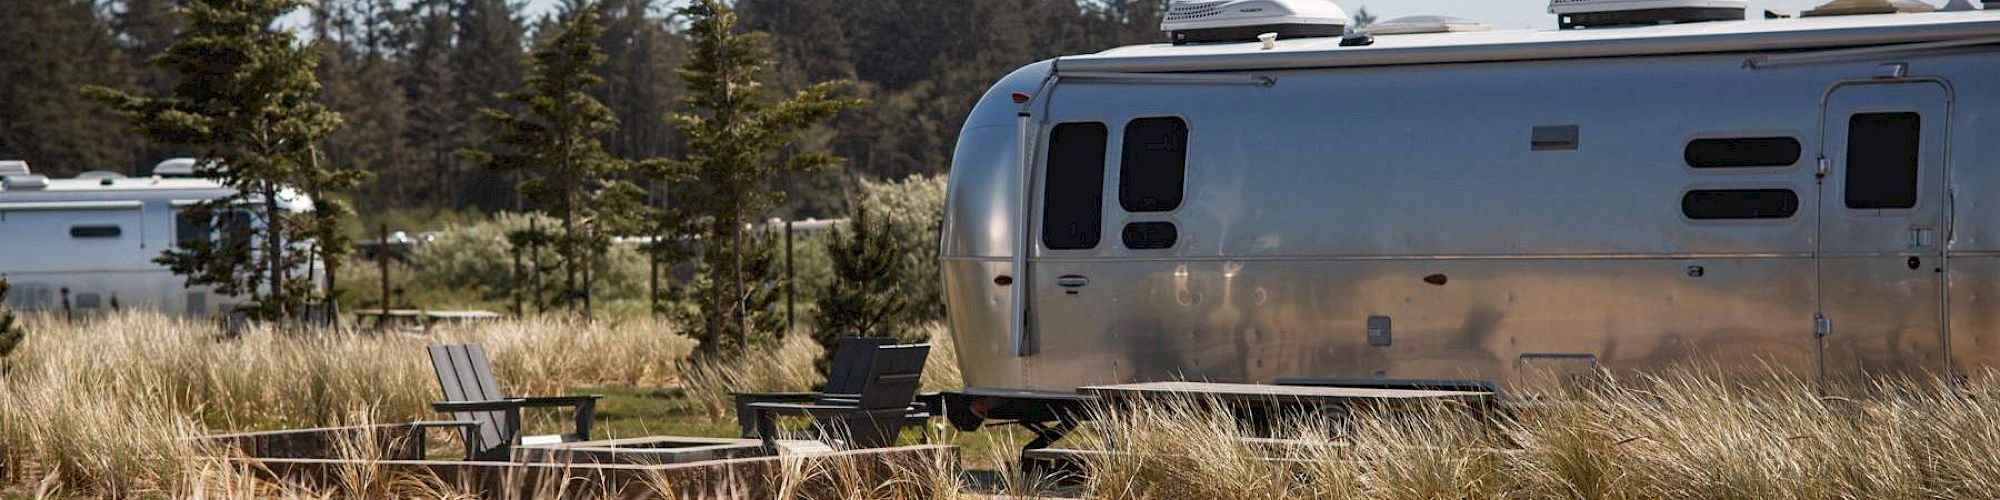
(914, 209)
(11, 333)
(473, 265)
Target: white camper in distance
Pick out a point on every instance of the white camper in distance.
(91, 240)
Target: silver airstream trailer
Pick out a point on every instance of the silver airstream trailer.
(1451, 205)
(87, 244)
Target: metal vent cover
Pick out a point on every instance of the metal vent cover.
(1186, 11)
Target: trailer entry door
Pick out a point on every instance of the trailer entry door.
(1882, 230)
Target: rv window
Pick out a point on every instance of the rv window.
(1712, 204)
(1150, 235)
(1073, 198)
(1882, 160)
(103, 231)
(187, 229)
(1153, 166)
(1743, 152)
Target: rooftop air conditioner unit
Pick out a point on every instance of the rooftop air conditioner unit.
(1196, 21)
(14, 167)
(1573, 14)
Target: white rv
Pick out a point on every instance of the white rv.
(87, 244)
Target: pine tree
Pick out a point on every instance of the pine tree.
(49, 48)
(485, 63)
(866, 297)
(246, 100)
(738, 138)
(436, 127)
(555, 141)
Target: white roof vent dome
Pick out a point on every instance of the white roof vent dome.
(1573, 14)
(1408, 25)
(1197, 21)
(182, 167)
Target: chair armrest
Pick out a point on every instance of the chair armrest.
(774, 395)
(746, 426)
(553, 401)
(586, 410)
(487, 405)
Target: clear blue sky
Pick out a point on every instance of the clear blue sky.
(1502, 14)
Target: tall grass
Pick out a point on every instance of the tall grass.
(101, 408)
(103, 405)
(1674, 436)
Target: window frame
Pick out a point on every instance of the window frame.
(92, 231)
(1847, 163)
(1801, 204)
(1187, 154)
(1042, 177)
(1796, 138)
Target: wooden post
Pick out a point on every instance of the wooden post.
(791, 291)
(518, 291)
(653, 281)
(382, 262)
(535, 261)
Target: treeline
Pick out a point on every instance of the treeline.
(411, 76)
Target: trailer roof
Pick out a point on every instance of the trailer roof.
(1515, 45)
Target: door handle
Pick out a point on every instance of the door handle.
(1072, 281)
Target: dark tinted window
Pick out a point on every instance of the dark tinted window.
(1882, 160)
(1740, 204)
(102, 231)
(188, 229)
(1153, 165)
(1743, 152)
(1073, 199)
(1150, 235)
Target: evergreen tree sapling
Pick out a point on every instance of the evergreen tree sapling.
(245, 100)
(554, 141)
(737, 139)
(867, 297)
(11, 333)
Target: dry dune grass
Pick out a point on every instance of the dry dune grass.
(1682, 435)
(98, 409)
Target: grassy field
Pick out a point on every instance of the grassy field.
(97, 409)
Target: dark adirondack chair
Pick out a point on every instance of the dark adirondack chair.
(471, 395)
(843, 380)
(870, 419)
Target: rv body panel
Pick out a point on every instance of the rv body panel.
(1475, 221)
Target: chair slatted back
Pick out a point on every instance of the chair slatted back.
(849, 373)
(465, 375)
(892, 378)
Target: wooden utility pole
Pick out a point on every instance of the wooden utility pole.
(382, 261)
(790, 292)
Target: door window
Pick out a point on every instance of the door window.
(1073, 201)
(1882, 160)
